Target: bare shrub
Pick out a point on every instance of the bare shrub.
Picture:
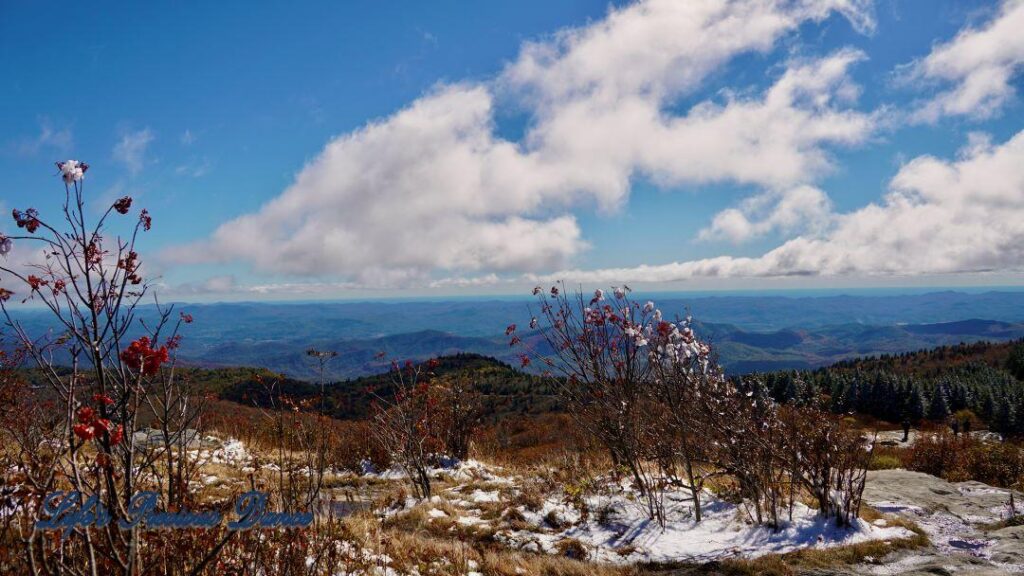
(600, 348)
(404, 423)
(108, 369)
(98, 377)
(940, 453)
(827, 459)
(650, 392)
(459, 411)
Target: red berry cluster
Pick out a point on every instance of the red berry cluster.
(29, 219)
(130, 265)
(91, 426)
(123, 205)
(141, 357)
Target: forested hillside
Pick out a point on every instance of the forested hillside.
(984, 378)
(502, 389)
(927, 385)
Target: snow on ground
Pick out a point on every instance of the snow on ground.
(621, 531)
(456, 470)
(616, 529)
(231, 452)
(484, 496)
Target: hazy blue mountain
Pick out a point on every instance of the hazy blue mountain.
(750, 332)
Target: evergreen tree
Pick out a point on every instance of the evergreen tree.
(1018, 428)
(1015, 364)
(915, 407)
(987, 405)
(938, 408)
(1003, 421)
(787, 387)
(807, 394)
(838, 403)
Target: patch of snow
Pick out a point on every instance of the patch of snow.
(232, 451)
(484, 496)
(723, 532)
(470, 520)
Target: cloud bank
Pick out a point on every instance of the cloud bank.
(939, 217)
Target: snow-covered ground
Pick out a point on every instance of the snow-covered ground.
(627, 535)
(612, 525)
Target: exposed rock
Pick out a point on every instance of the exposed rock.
(153, 437)
(954, 516)
(894, 438)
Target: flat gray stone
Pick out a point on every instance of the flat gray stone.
(952, 513)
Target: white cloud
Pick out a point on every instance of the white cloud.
(195, 168)
(939, 217)
(979, 63)
(467, 282)
(130, 150)
(433, 188)
(799, 209)
(221, 284)
(776, 139)
(49, 138)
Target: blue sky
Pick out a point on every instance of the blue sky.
(207, 112)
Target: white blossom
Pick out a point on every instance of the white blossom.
(5, 245)
(72, 170)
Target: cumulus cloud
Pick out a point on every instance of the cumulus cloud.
(939, 217)
(130, 150)
(434, 187)
(800, 209)
(979, 63)
(213, 285)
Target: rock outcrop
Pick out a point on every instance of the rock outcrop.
(961, 519)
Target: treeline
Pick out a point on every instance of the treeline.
(929, 385)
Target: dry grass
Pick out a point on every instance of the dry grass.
(531, 497)
(826, 558)
(419, 539)
(411, 543)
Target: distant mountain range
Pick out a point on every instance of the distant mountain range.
(750, 333)
(739, 351)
